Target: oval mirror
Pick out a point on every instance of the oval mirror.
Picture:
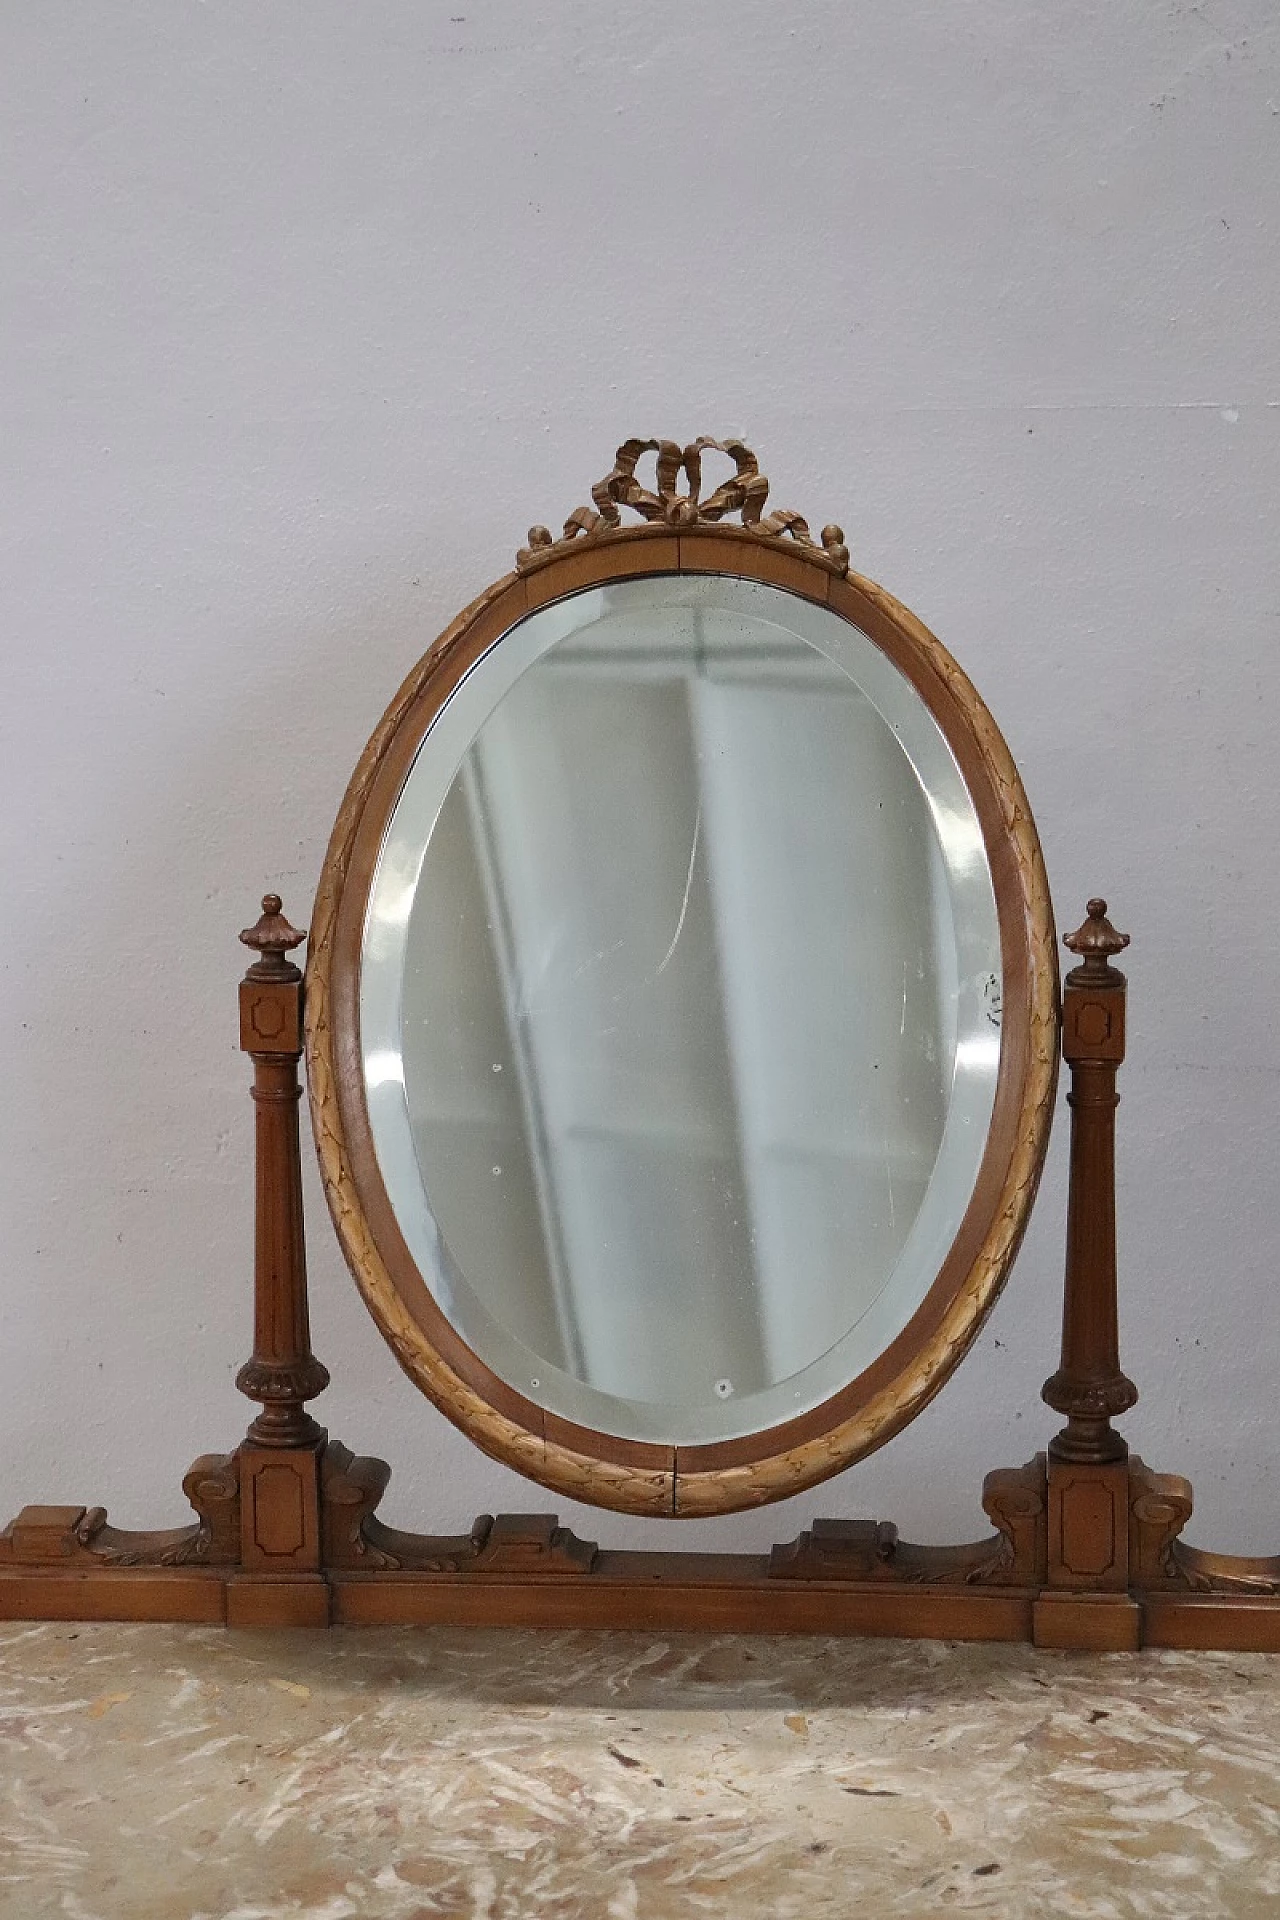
(682, 1007)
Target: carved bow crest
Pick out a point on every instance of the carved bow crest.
(744, 492)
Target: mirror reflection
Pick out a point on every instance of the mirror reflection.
(680, 1006)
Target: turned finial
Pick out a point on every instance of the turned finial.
(271, 938)
(1095, 942)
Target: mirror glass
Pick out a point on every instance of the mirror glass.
(680, 1006)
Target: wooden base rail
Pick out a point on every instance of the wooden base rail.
(1087, 1550)
(839, 1576)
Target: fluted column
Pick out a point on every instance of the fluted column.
(283, 1373)
(1089, 1386)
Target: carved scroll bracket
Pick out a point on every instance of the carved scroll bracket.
(356, 1541)
(870, 1550)
(670, 504)
(1159, 1508)
(82, 1537)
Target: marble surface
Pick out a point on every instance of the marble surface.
(165, 1772)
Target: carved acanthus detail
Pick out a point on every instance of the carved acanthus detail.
(1159, 1508)
(870, 1550)
(671, 505)
(274, 1382)
(212, 1485)
(1014, 1500)
(356, 1541)
(271, 937)
(96, 1539)
(60, 1536)
(1095, 942)
(1225, 1572)
(350, 1488)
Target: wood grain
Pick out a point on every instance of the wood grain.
(578, 1462)
(1087, 1551)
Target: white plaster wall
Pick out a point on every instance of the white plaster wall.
(308, 312)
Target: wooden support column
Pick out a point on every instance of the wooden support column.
(280, 1458)
(1088, 1477)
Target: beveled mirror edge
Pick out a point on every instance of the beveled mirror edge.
(1036, 1033)
(600, 1469)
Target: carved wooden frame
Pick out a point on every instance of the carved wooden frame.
(1087, 1549)
(579, 1461)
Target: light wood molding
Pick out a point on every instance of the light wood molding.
(577, 1462)
(1087, 1551)
(670, 504)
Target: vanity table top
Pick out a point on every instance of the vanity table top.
(153, 1772)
